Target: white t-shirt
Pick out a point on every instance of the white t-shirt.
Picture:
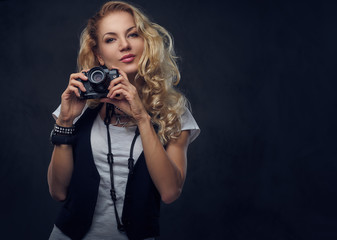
(104, 221)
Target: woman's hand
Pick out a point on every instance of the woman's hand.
(124, 95)
(71, 104)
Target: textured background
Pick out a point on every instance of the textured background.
(261, 78)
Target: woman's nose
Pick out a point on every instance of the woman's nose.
(124, 45)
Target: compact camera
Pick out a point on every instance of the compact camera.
(99, 79)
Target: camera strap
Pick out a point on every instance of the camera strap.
(109, 113)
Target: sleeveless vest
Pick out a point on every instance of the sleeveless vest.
(141, 208)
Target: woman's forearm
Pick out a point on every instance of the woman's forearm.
(167, 171)
(60, 171)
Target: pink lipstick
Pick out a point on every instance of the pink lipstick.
(127, 58)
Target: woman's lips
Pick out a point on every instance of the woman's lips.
(128, 58)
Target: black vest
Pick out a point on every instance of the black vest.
(142, 200)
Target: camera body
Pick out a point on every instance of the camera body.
(99, 79)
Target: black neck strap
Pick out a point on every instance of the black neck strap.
(108, 115)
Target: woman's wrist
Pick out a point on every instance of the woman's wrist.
(64, 123)
(62, 135)
(145, 119)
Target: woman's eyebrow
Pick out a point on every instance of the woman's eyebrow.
(113, 33)
(129, 29)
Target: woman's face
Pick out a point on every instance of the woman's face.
(119, 44)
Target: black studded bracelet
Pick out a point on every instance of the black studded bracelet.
(59, 130)
(62, 135)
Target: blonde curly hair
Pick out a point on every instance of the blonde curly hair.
(157, 69)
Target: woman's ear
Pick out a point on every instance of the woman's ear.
(101, 62)
(100, 59)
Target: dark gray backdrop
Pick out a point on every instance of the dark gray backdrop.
(261, 78)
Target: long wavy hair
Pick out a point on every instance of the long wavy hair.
(157, 68)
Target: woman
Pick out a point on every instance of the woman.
(115, 158)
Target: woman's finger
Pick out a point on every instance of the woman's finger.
(74, 90)
(77, 84)
(79, 75)
(116, 87)
(116, 94)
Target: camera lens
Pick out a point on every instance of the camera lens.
(97, 76)
(98, 80)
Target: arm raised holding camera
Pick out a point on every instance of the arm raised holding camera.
(61, 164)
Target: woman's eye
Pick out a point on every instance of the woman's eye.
(109, 40)
(133, 35)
